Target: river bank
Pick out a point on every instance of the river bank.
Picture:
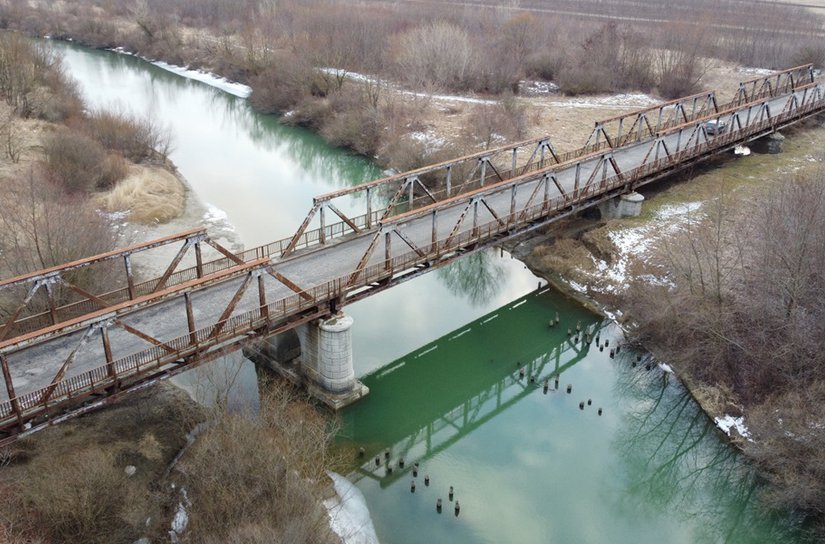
(472, 282)
(599, 260)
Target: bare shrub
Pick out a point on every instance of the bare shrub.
(748, 307)
(679, 64)
(544, 64)
(495, 124)
(78, 496)
(43, 226)
(593, 67)
(10, 138)
(256, 478)
(356, 119)
(78, 163)
(281, 84)
(436, 54)
(790, 447)
(135, 138)
(32, 80)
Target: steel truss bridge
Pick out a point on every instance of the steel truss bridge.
(65, 349)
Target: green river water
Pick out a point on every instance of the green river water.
(442, 356)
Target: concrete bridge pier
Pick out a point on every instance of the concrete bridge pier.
(770, 144)
(626, 205)
(318, 356)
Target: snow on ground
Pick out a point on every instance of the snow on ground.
(431, 141)
(727, 422)
(633, 243)
(231, 87)
(622, 100)
(213, 80)
(181, 518)
(348, 513)
(535, 88)
(755, 71)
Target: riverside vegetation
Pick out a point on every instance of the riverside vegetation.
(278, 47)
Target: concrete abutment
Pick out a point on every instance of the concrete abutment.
(317, 356)
(626, 205)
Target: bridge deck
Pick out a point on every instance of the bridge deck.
(118, 346)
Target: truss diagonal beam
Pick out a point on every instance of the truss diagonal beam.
(289, 283)
(406, 240)
(221, 323)
(343, 217)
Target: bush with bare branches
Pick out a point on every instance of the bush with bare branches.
(437, 54)
(79, 164)
(135, 138)
(748, 313)
(259, 478)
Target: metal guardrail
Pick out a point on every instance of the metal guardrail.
(751, 91)
(177, 350)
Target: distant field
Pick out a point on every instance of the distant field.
(814, 5)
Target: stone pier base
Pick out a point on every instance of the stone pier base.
(317, 356)
(627, 205)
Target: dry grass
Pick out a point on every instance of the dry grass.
(150, 195)
(68, 484)
(260, 477)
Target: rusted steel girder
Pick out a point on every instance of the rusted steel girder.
(600, 184)
(27, 318)
(454, 177)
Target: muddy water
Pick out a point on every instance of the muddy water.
(442, 355)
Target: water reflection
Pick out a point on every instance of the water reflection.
(477, 277)
(462, 380)
(262, 173)
(546, 467)
(675, 463)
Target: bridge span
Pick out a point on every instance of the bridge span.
(64, 349)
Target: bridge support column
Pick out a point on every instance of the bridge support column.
(627, 205)
(770, 144)
(318, 356)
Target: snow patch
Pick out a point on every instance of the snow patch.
(666, 367)
(755, 71)
(728, 422)
(535, 88)
(181, 519)
(635, 242)
(349, 516)
(742, 150)
(623, 100)
(431, 141)
(213, 80)
(577, 286)
(232, 87)
(214, 216)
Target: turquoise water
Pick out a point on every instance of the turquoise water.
(532, 466)
(441, 355)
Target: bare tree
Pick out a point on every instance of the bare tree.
(438, 54)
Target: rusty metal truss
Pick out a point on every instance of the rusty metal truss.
(427, 218)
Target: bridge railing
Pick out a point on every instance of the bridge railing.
(667, 116)
(179, 348)
(787, 80)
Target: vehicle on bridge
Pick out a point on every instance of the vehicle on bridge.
(715, 126)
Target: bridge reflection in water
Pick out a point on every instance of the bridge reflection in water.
(529, 467)
(438, 402)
